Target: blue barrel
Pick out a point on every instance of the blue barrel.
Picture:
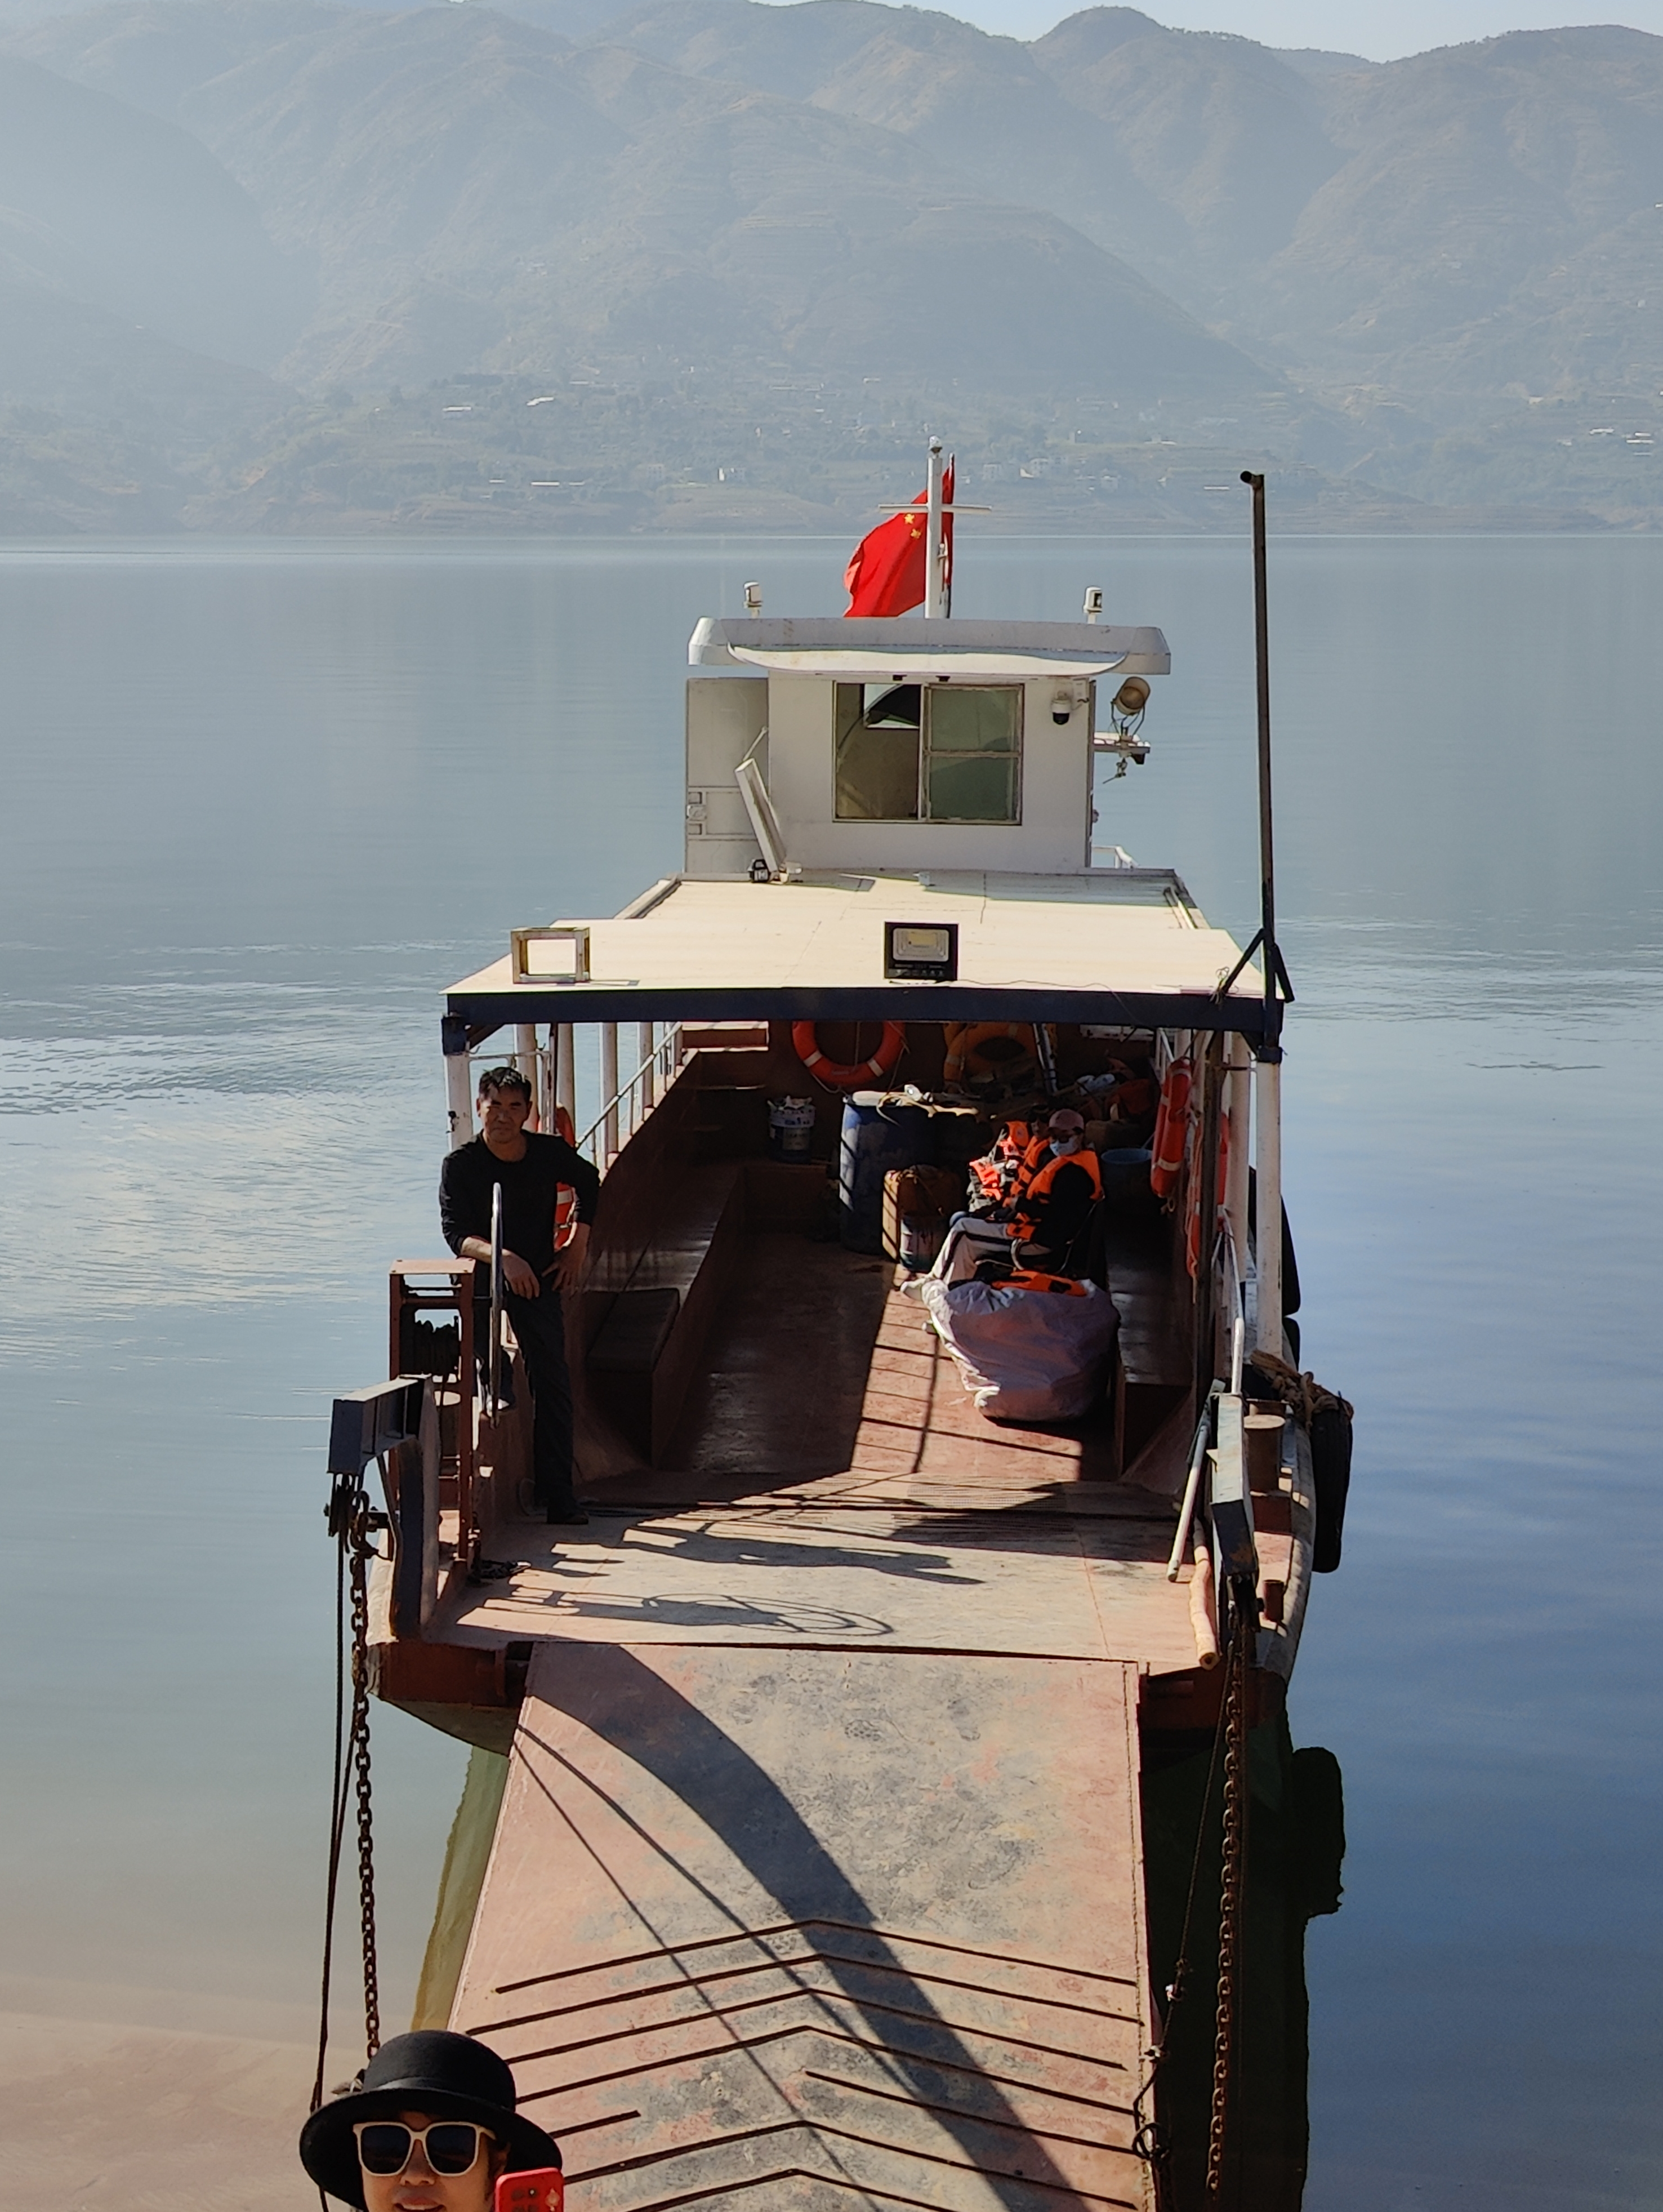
(879, 1133)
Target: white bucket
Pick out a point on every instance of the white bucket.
(790, 1127)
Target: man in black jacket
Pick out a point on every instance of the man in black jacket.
(531, 1169)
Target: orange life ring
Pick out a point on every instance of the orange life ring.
(840, 1075)
(1193, 1224)
(965, 1039)
(1171, 1136)
(565, 1198)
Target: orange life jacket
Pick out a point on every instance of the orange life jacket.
(1038, 1186)
(1035, 1278)
(995, 1174)
(1035, 1153)
(1133, 1098)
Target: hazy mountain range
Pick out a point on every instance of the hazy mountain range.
(268, 261)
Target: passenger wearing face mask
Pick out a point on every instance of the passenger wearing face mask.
(1054, 1208)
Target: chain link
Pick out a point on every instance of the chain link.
(358, 1756)
(1231, 1871)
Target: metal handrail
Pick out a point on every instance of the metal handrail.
(663, 1057)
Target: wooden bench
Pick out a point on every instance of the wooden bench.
(648, 1347)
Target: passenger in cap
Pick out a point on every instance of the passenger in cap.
(1057, 1202)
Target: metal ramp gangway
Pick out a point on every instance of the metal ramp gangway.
(730, 1966)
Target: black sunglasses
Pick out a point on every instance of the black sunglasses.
(451, 2146)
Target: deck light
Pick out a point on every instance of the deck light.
(1126, 712)
(920, 952)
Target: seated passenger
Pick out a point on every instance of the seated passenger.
(1055, 1206)
(430, 2122)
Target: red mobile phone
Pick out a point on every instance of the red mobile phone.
(542, 2190)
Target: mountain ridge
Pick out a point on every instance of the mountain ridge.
(1421, 276)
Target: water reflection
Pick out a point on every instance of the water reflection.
(1295, 1847)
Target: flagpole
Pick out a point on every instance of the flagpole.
(933, 608)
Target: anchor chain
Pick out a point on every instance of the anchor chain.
(354, 1526)
(1232, 1873)
(363, 1550)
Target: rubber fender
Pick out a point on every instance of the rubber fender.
(1331, 1473)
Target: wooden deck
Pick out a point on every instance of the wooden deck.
(836, 1485)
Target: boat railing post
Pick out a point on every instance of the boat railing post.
(525, 1059)
(609, 1090)
(1267, 1209)
(566, 1074)
(646, 1047)
(1206, 1171)
(458, 1079)
(1235, 1179)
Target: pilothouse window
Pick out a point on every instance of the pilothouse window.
(878, 742)
(910, 752)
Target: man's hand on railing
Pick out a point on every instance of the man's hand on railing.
(518, 1274)
(572, 1262)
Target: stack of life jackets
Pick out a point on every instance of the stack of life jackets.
(996, 1179)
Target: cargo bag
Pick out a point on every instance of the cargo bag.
(918, 1204)
(1024, 1355)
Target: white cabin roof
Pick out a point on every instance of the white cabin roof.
(896, 651)
(1100, 945)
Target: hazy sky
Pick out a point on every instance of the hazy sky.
(1381, 29)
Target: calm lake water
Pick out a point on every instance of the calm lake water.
(264, 802)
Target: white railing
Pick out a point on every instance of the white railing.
(583, 1078)
(629, 1103)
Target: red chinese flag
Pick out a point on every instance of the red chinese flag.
(886, 571)
(947, 528)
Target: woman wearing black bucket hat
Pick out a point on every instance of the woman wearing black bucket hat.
(428, 2127)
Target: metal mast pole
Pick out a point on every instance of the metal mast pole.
(1269, 956)
(1268, 1240)
(934, 607)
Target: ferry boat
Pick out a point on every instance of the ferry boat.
(885, 1799)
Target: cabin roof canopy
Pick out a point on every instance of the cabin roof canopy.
(1102, 945)
(891, 651)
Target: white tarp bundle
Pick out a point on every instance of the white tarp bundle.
(1024, 1355)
